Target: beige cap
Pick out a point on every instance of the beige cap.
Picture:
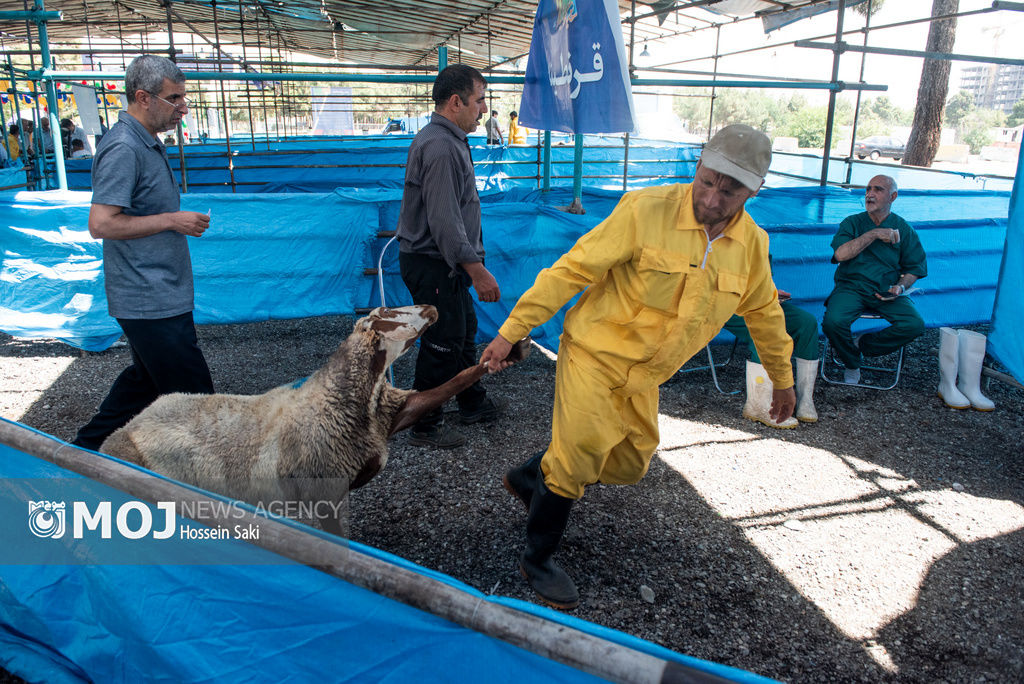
(740, 152)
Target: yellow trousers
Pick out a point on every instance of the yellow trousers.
(596, 435)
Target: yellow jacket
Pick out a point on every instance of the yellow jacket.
(15, 146)
(658, 292)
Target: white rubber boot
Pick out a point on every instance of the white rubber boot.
(759, 398)
(949, 360)
(971, 357)
(806, 371)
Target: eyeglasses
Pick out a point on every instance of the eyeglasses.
(184, 104)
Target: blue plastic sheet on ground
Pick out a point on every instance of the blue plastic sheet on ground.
(1008, 317)
(295, 255)
(239, 613)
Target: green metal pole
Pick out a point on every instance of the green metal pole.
(429, 78)
(577, 177)
(442, 62)
(547, 161)
(51, 99)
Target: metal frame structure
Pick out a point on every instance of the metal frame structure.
(254, 42)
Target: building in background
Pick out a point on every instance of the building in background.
(994, 86)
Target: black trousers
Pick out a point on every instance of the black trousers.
(165, 358)
(449, 345)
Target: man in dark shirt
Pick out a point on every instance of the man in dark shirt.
(147, 267)
(880, 256)
(441, 250)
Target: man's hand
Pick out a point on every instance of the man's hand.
(190, 223)
(495, 354)
(783, 404)
(486, 286)
(888, 235)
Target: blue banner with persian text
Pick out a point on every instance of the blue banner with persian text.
(577, 80)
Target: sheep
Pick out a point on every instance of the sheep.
(319, 439)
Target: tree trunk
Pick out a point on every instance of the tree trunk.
(931, 95)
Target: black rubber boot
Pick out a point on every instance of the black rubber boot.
(545, 525)
(522, 480)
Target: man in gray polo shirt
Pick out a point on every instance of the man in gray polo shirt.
(441, 249)
(146, 263)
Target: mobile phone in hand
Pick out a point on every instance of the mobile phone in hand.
(887, 296)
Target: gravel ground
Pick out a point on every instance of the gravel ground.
(881, 544)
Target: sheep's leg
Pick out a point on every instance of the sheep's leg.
(420, 403)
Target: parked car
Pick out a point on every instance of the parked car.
(880, 146)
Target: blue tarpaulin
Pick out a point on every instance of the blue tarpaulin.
(288, 256)
(98, 610)
(1008, 318)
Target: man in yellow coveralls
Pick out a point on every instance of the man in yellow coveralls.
(662, 274)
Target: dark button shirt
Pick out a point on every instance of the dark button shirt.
(147, 277)
(440, 215)
(880, 265)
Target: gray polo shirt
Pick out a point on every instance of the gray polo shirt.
(440, 214)
(148, 277)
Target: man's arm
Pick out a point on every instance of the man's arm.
(484, 283)
(852, 248)
(109, 222)
(611, 242)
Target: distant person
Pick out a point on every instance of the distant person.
(169, 140)
(880, 256)
(46, 134)
(441, 249)
(147, 267)
(493, 128)
(78, 150)
(516, 134)
(4, 158)
(75, 133)
(13, 141)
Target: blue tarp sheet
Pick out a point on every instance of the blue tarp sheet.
(321, 165)
(1008, 319)
(228, 611)
(12, 175)
(288, 256)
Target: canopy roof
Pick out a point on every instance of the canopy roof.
(483, 33)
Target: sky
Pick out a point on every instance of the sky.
(996, 34)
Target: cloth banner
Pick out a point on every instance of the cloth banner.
(577, 78)
(85, 98)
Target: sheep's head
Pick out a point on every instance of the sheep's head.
(394, 331)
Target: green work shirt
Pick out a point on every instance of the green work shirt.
(880, 265)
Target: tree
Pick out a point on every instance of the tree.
(808, 127)
(926, 130)
(1016, 117)
(959, 108)
(874, 5)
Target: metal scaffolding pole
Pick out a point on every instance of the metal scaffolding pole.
(223, 99)
(172, 54)
(830, 117)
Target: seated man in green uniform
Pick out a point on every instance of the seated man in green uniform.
(880, 256)
(803, 328)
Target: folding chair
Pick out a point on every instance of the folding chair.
(828, 359)
(713, 366)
